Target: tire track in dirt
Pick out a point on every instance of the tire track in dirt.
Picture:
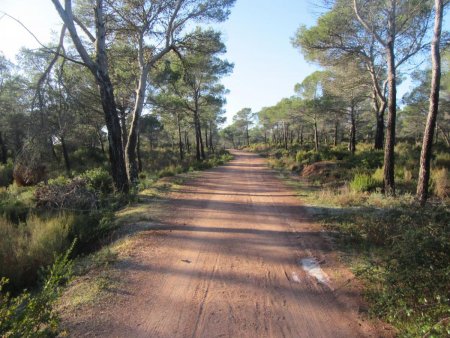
(225, 263)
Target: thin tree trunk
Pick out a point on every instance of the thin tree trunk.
(138, 151)
(316, 136)
(202, 147)
(352, 141)
(301, 136)
(206, 136)
(4, 155)
(65, 156)
(336, 128)
(180, 140)
(425, 156)
(389, 156)
(123, 126)
(379, 132)
(445, 136)
(211, 143)
(197, 139)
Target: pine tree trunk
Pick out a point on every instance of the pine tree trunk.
(65, 156)
(4, 155)
(336, 127)
(131, 146)
(425, 156)
(180, 140)
(197, 140)
(316, 136)
(123, 126)
(116, 155)
(211, 143)
(138, 150)
(389, 156)
(352, 141)
(379, 133)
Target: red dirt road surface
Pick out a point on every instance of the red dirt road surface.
(237, 256)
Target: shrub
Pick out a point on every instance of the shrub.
(6, 174)
(335, 154)
(307, 157)
(368, 159)
(442, 160)
(26, 248)
(99, 180)
(32, 315)
(363, 182)
(378, 175)
(440, 183)
(12, 208)
(170, 171)
(406, 253)
(88, 228)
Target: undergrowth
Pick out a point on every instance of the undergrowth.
(400, 251)
(32, 314)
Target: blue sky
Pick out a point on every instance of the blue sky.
(267, 67)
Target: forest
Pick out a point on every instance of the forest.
(131, 92)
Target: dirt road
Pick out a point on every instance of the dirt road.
(237, 256)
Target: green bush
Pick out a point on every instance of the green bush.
(363, 182)
(88, 228)
(335, 154)
(367, 159)
(32, 315)
(307, 157)
(406, 252)
(99, 180)
(85, 158)
(6, 174)
(12, 208)
(169, 171)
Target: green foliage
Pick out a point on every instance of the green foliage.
(6, 174)
(12, 207)
(406, 252)
(85, 158)
(32, 315)
(364, 183)
(169, 171)
(99, 180)
(308, 157)
(442, 160)
(366, 159)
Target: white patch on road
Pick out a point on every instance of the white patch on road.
(295, 277)
(311, 266)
